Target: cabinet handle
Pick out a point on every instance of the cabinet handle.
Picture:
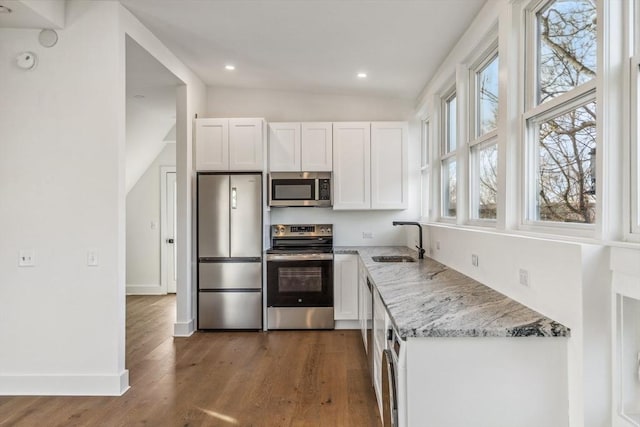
(234, 198)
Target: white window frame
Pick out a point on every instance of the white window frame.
(425, 169)
(532, 116)
(634, 110)
(477, 143)
(446, 156)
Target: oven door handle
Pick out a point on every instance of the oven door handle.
(299, 257)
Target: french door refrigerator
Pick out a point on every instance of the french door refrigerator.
(229, 251)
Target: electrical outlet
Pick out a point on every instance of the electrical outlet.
(27, 258)
(92, 258)
(524, 277)
(367, 235)
(474, 260)
(438, 244)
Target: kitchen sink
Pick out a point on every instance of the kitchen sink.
(393, 258)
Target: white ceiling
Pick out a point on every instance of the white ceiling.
(311, 45)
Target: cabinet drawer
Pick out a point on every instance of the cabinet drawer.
(230, 310)
(227, 275)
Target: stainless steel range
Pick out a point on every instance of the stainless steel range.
(300, 277)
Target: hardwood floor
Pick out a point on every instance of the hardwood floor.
(279, 378)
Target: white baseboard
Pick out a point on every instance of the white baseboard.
(184, 329)
(64, 385)
(145, 290)
(347, 324)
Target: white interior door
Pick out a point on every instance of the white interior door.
(169, 225)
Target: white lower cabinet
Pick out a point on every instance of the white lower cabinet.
(364, 302)
(473, 381)
(345, 287)
(379, 344)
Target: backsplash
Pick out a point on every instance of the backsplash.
(351, 228)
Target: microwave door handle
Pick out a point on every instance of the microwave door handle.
(317, 193)
(234, 198)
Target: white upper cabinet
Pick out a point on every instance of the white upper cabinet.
(352, 165)
(246, 144)
(284, 147)
(229, 144)
(389, 163)
(212, 144)
(317, 147)
(296, 147)
(370, 163)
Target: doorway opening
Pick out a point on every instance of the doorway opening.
(151, 97)
(151, 199)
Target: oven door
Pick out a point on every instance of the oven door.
(303, 280)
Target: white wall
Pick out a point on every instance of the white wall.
(280, 106)
(62, 322)
(143, 237)
(149, 120)
(62, 162)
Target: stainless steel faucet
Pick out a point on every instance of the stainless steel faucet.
(421, 250)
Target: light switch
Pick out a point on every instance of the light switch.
(92, 258)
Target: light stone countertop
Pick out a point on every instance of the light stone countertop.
(428, 299)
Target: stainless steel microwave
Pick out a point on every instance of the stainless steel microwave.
(300, 189)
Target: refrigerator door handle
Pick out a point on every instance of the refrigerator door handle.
(234, 198)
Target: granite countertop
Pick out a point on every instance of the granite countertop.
(428, 299)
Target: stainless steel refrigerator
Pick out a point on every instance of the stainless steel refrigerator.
(229, 251)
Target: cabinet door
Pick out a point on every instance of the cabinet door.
(364, 301)
(389, 161)
(317, 147)
(345, 287)
(212, 144)
(246, 145)
(352, 165)
(379, 344)
(284, 147)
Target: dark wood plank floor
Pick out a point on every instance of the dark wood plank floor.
(280, 378)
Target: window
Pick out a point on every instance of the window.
(561, 113)
(448, 157)
(483, 145)
(565, 160)
(566, 56)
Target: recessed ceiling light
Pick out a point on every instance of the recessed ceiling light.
(230, 67)
(5, 9)
(362, 75)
